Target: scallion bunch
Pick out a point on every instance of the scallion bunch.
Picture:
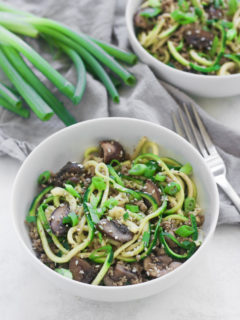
(87, 53)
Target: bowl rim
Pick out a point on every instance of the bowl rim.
(158, 63)
(74, 283)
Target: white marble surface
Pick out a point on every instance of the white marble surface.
(211, 291)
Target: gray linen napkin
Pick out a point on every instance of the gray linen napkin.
(149, 100)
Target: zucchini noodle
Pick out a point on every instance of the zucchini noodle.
(113, 213)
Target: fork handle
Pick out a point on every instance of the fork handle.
(228, 189)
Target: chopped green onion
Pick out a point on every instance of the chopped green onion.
(182, 17)
(72, 191)
(126, 216)
(110, 203)
(99, 183)
(65, 272)
(189, 204)
(132, 208)
(172, 188)
(187, 169)
(214, 47)
(180, 46)
(137, 169)
(184, 231)
(150, 12)
(146, 238)
(35, 102)
(44, 177)
(151, 168)
(160, 177)
(71, 219)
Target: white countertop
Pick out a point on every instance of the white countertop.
(212, 291)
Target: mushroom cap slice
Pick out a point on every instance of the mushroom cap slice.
(115, 230)
(71, 167)
(122, 274)
(153, 190)
(158, 266)
(110, 150)
(82, 270)
(198, 38)
(58, 228)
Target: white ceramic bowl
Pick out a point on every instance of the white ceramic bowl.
(69, 144)
(200, 85)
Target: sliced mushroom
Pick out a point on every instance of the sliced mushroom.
(153, 190)
(82, 270)
(214, 13)
(70, 172)
(121, 275)
(198, 38)
(58, 228)
(115, 230)
(110, 150)
(157, 266)
(142, 22)
(71, 167)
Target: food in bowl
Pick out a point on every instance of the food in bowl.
(198, 36)
(116, 219)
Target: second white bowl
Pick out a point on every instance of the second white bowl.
(200, 85)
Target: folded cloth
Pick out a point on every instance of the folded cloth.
(150, 99)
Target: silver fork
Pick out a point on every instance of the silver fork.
(197, 135)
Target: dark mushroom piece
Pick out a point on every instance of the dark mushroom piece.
(82, 270)
(58, 228)
(121, 275)
(153, 190)
(198, 38)
(110, 150)
(142, 22)
(71, 167)
(214, 13)
(156, 267)
(71, 171)
(115, 230)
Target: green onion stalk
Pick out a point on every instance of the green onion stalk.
(28, 75)
(35, 102)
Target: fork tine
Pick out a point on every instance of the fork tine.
(200, 144)
(177, 126)
(186, 129)
(205, 136)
